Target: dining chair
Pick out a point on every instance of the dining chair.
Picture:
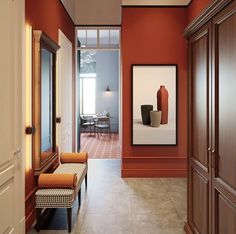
(103, 123)
(87, 122)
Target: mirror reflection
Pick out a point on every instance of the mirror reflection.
(46, 103)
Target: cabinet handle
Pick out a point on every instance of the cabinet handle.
(213, 158)
(208, 156)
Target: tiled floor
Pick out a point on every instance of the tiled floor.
(102, 147)
(113, 205)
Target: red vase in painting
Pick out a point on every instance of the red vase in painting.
(162, 103)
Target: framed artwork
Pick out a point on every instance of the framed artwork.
(154, 104)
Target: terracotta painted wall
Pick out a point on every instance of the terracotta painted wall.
(152, 36)
(48, 16)
(196, 7)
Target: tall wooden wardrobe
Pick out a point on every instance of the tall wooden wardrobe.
(212, 121)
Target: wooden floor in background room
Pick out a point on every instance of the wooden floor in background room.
(105, 147)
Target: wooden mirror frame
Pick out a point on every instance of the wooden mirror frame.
(41, 40)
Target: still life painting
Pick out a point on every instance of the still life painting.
(154, 94)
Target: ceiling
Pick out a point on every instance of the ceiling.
(108, 12)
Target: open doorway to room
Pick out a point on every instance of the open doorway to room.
(98, 92)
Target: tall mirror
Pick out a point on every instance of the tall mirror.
(44, 102)
(47, 103)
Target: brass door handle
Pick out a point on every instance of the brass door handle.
(17, 152)
(58, 119)
(30, 130)
(209, 149)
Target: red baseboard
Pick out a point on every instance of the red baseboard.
(30, 209)
(152, 173)
(30, 219)
(154, 167)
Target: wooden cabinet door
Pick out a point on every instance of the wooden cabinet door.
(199, 131)
(224, 116)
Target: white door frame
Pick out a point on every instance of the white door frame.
(119, 76)
(12, 137)
(65, 44)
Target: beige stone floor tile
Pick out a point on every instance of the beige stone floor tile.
(179, 200)
(175, 184)
(109, 203)
(155, 205)
(107, 224)
(115, 205)
(147, 188)
(168, 223)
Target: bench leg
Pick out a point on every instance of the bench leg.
(79, 198)
(38, 213)
(86, 181)
(69, 214)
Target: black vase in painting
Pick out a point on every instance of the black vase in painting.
(145, 112)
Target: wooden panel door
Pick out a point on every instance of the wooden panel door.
(199, 132)
(11, 157)
(65, 103)
(224, 130)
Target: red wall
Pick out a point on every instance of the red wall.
(196, 7)
(152, 36)
(49, 16)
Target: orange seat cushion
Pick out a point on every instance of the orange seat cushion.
(81, 157)
(57, 180)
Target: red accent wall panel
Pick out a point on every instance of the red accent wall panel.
(48, 16)
(152, 36)
(196, 7)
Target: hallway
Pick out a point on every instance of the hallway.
(113, 205)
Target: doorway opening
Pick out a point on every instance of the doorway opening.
(98, 92)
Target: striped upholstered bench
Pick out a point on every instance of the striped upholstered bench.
(62, 197)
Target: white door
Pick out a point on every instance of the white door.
(11, 130)
(65, 93)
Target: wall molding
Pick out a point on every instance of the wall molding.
(153, 173)
(155, 157)
(154, 166)
(32, 193)
(30, 218)
(205, 16)
(30, 209)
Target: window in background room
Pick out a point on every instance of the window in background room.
(91, 38)
(99, 38)
(82, 38)
(114, 38)
(87, 83)
(104, 38)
